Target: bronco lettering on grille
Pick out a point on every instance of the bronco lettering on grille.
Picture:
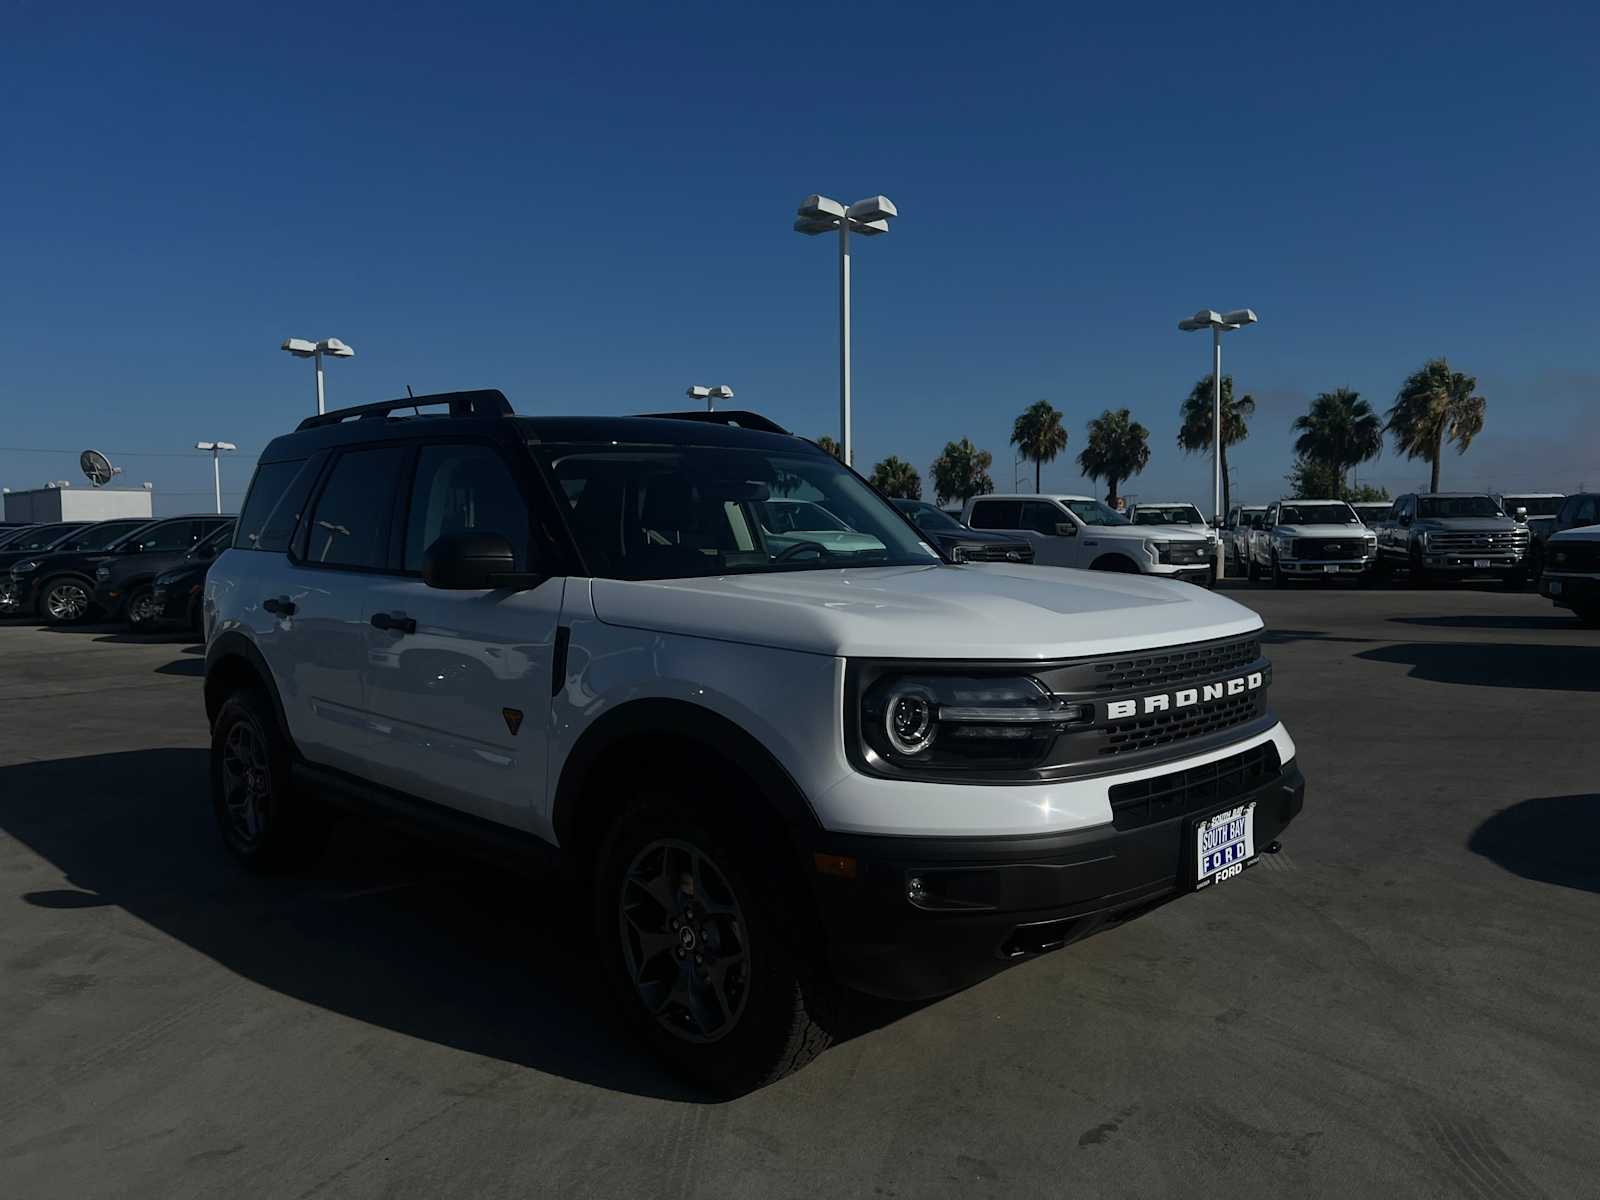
(1117, 710)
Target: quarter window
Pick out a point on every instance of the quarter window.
(350, 525)
(464, 489)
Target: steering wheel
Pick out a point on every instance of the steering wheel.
(789, 552)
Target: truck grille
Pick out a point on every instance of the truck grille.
(1155, 730)
(1178, 665)
(1493, 542)
(999, 552)
(1184, 554)
(1149, 801)
(1330, 549)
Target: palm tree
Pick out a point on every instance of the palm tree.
(1039, 434)
(1341, 431)
(1118, 449)
(1436, 404)
(962, 472)
(1194, 432)
(897, 479)
(831, 446)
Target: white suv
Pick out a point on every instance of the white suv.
(1080, 531)
(771, 770)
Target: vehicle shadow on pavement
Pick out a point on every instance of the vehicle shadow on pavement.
(1554, 839)
(1493, 621)
(384, 928)
(191, 668)
(1281, 637)
(1497, 664)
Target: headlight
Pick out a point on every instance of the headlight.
(1153, 549)
(22, 568)
(958, 722)
(102, 572)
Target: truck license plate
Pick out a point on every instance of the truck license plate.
(1480, 564)
(1223, 844)
(1329, 569)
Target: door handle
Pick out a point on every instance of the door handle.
(279, 605)
(394, 624)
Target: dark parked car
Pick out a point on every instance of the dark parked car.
(1576, 511)
(23, 544)
(8, 532)
(960, 542)
(176, 592)
(124, 583)
(59, 586)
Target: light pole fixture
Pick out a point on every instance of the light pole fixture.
(711, 395)
(301, 348)
(217, 449)
(1218, 323)
(869, 218)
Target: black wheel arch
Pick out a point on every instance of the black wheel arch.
(1115, 560)
(233, 662)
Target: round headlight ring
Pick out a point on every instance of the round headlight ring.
(909, 720)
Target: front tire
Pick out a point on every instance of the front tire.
(690, 926)
(264, 823)
(1279, 579)
(65, 601)
(1253, 572)
(141, 612)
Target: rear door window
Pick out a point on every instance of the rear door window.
(996, 514)
(272, 510)
(350, 524)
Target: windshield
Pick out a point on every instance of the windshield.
(213, 541)
(929, 518)
(108, 534)
(1537, 506)
(36, 538)
(1457, 506)
(675, 512)
(1171, 514)
(1092, 512)
(1316, 514)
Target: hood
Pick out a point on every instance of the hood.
(1581, 533)
(1153, 533)
(997, 611)
(1465, 524)
(1324, 531)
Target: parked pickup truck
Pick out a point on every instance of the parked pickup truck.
(1571, 576)
(1576, 511)
(1452, 534)
(1311, 539)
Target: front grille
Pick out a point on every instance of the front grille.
(1148, 801)
(999, 552)
(1507, 542)
(1330, 549)
(1184, 554)
(1178, 665)
(1154, 730)
(1573, 556)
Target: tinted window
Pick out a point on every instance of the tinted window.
(168, 535)
(928, 518)
(350, 525)
(1586, 512)
(1092, 512)
(101, 536)
(1317, 514)
(1041, 517)
(1459, 506)
(996, 514)
(272, 509)
(464, 489)
(39, 537)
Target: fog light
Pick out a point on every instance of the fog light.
(914, 892)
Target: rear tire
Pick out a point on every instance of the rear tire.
(1279, 579)
(264, 822)
(692, 930)
(1253, 571)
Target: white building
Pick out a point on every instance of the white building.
(76, 504)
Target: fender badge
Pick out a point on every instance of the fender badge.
(513, 718)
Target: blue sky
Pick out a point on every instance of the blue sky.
(588, 206)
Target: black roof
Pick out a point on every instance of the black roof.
(487, 412)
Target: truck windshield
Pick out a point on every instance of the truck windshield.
(1092, 512)
(1174, 514)
(676, 512)
(1317, 514)
(1537, 506)
(1458, 506)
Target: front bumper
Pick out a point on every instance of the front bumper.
(1568, 591)
(176, 603)
(999, 901)
(108, 598)
(1201, 574)
(1327, 566)
(22, 594)
(1468, 564)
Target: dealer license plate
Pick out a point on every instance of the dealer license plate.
(1480, 564)
(1223, 844)
(1329, 569)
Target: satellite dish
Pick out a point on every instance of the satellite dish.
(97, 467)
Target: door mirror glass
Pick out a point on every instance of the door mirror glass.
(1521, 514)
(473, 562)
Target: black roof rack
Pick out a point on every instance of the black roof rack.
(737, 417)
(486, 402)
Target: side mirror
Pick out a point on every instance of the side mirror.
(1066, 529)
(1522, 515)
(466, 562)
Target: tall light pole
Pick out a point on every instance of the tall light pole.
(711, 395)
(217, 449)
(1218, 323)
(869, 218)
(333, 347)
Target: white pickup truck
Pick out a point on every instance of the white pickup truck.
(1080, 531)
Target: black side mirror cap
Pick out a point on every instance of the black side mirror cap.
(464, 562)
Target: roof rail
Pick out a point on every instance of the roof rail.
(486, 402)
(738, 417)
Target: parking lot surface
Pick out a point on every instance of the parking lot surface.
(1401, 1003)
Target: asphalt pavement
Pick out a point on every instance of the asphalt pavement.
(1402, 1003)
